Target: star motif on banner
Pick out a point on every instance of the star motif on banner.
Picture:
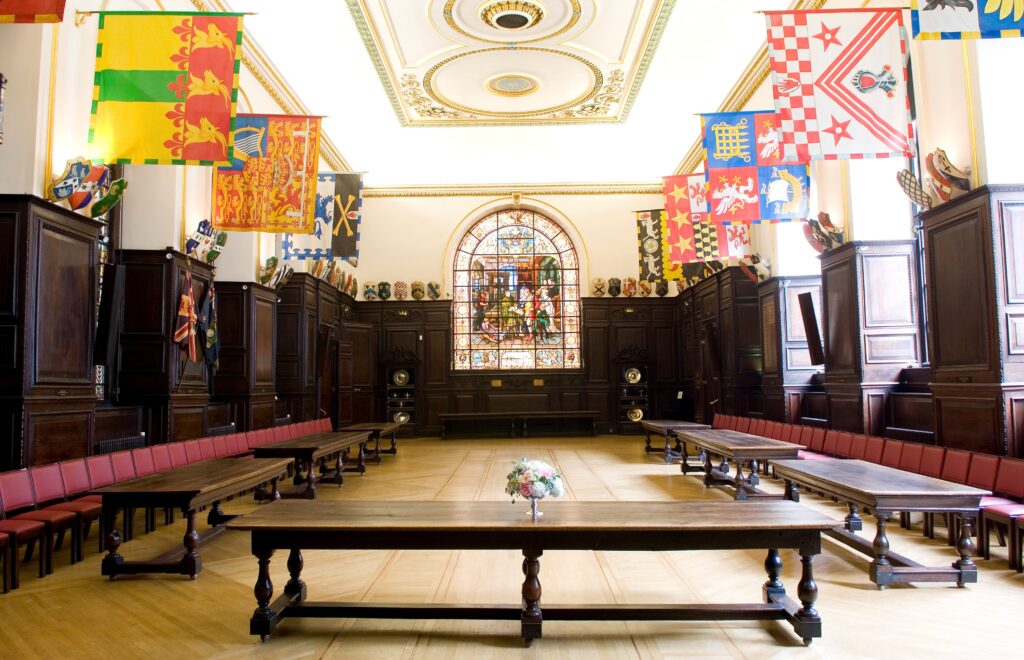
(678, 193)
(684, 245)
(838, 130)
(828, 36)
(680, 218)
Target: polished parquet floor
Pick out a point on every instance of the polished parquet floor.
(75, 613)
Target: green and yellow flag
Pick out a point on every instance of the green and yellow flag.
(165, 88)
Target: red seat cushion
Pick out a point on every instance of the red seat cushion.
(1011, 510)
(990, 501)
(87, 508)
(52, 516)
(813, 456)
(22, 528)
(90, 498)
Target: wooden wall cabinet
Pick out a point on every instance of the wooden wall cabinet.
(974, 260)
(247, 324)
(308, 323)
(870, 328)
(153, 371)
(787, 371)
(48, 286)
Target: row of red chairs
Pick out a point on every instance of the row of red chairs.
(49, 502)
(1001, 475)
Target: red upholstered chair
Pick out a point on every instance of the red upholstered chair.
(954, 468)
(48, 485)
(873, 450)
(790, 432)
(124, 466)
(101, 471)
(5, 557)
(831, 441)
(817, 440)
(279, 434)
(806, 432)
(1009, 482)
(179, 458)
(207, 449)
(144, 463)
(220, 447)
(843, 441)
(743, 424)
(910, 459)
(232, 442)
(325, 425)
(983, 471)
(162, 460)
(758, 427)
(891, 453)
(931, 461)
(16, 493)
(17, 533)
(858, 446)
(192, 451)
(719, 422)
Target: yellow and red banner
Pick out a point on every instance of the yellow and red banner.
(165, 88)
(271, 182)
(32, 11)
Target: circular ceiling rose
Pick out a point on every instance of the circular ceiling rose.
(515, 21)
(514, 15)
(479, 82)
(512, 84)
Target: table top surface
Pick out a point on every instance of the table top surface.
(208, 476)
(441, 517)
(659, 425)
(734, 440)
(380, 427)
(315, 442)
(871, 478)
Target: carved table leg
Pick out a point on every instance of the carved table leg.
(740, 482)
(773, 588)
(216, 516)
(275, 492)
(708, 479)
(191, 564)
(295, 587)
(792, 491)
(853, 519)
(753, 479)
(310, 491)
(807, 592)
(263, 619)
(684, 456)
(647, 444)
(339, 469)
(965, 548)
(531, 617)
(113, 559)
(299, 467)
(881, 567)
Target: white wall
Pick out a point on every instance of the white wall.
(24, 60)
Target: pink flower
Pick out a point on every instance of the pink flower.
(524, 489)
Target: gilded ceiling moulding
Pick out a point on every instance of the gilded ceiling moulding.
(529, 189)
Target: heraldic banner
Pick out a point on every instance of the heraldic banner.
(338, 195)
(967, 19)
(165, 88)
(32, 11)
(840, 83)
(655, 252)
(747, 180)
(271, 183)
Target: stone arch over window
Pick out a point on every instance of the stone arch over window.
(516, 294)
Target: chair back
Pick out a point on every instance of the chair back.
(956, 465)
(279, 434)
(931, 461)
(101, 470)
(220, 446)
(817, 439)
(124, 466)
(758, 427)
(843, 441)
(75, 476)
(875, 447)
(743, 424)
(162, 459)
(207, 449)
(179, 458)
(910, 459)
(1010, 480)
(144, 465)
(719, 422)
(831, 441)
(16, 490)
(983, 470)
(858, 446)
(892, 452)
(806, 433)
(192, 452)
(46, 483)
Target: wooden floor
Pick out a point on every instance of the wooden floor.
(76, 613)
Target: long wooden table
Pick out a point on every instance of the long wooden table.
(618, 526)
(378, 430)
(309, 450)
(664, 428)
(187, 488)
(745, 449)
(885, 491)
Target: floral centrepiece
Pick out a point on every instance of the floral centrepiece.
(534, 480)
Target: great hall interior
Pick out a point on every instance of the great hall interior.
(337, 329)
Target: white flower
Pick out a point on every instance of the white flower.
(539, 490)
(557, 490)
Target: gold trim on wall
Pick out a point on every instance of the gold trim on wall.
(184, 198)
(507, 189)
(48, 173)
(971, 127)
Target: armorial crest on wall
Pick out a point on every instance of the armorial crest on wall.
(399, 355)
(630, 312)
(401, 315)
(633, 353)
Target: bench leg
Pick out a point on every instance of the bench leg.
(531, 619)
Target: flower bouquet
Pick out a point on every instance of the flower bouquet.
(534, 480)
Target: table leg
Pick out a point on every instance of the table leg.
(807, 592)
(881, 567)
(740, 482)
(792, 491)
(264, 620)
(753, 479)
(647, 444)
(299, 465)
(531, 618)
(310, 491)
(114, 559)
(708, 479)
(216, 516)
(191, 564)
(853, 519)
(965, 547)
(295, 588)
(773, 588)
(339, 469)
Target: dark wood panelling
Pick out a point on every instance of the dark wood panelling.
(113, 422)
(787, 370)
(247, 321)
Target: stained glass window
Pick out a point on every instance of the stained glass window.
(517, 297)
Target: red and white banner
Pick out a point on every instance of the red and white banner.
(840, 83)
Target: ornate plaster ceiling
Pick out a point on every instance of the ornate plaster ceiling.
(502, 62)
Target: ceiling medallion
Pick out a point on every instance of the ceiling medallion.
(512, 84)
(515, 15)
(449, 18)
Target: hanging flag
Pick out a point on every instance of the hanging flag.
(747, 180)
(840, 83)
(32, 11)
(708, 241)
(655, 252)
(165, 88)
(208, 334)
(686, 195)
(348, 202)
(185, 330)
(315, 246)
(271, 183)
(967, 19)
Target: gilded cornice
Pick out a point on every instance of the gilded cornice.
(753, 77)
(259, 65)
(513, 189)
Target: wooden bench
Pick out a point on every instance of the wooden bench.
(517, 422)
(308, 450)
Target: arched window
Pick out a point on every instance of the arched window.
(517, 295)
